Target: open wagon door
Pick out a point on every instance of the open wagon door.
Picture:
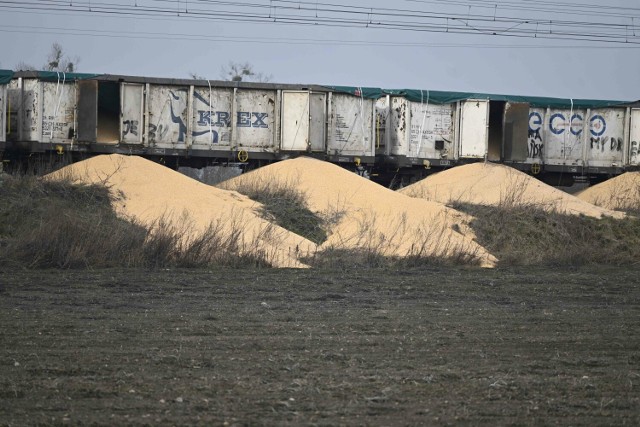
(515, 131)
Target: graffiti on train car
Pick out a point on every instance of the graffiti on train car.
(535, 145)
(561, 124)
(612, 143)
(212, 120)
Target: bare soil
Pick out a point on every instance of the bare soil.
(290, 347)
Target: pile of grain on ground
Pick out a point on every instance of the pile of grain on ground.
(620, 193)
(368, 216)
(493, 184)
(149, 192)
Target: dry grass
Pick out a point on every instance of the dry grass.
(368, 247)
(285, 205)
(59, 224)
(530, 234)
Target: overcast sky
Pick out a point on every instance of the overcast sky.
(335, 46)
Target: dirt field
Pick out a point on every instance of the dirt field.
(269, 347)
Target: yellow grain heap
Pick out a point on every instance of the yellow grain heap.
(149, 192)
(493, 184)
(369, 216)
(621, 193)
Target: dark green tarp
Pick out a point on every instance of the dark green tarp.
(54, 76)
(446, 97)
(5, 76)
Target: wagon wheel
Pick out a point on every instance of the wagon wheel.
(243, 156)
(536, 168)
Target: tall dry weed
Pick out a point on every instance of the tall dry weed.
(400, 244)
(282, 202)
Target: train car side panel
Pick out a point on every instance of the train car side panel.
(317, 121)
(564, 137)
(537, 136)
(350, 126)
(382, 120)
(132, 126)
(431, 131)
(168, 116)
(634, 138)
(212, 118)
(3, 115)
(474, 135)
(399, 126)
(13, 110)
(605, 141)
(295, 121)
(255, 119)
(59, 103)
(31, 114)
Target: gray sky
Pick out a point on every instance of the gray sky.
(195, 38)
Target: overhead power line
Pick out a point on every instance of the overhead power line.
(275, 40)
(335, 15)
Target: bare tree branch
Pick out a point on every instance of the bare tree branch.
(242, 72)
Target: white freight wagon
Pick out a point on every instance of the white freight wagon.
(397, 132)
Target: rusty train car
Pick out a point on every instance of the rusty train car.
(392, 135)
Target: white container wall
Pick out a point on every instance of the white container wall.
(381, 122)
(634, 137)
(350, 126)
(537, 136)
(577, 137)
(431, 128)
(31, 110)
(3, 108)
(317, 121)
(212, 118)
(421, 130)
(13, 109)
(605, 141)
(58, 115)
(564, 137)
(474, 132)
(398, 126)
(132, 111)
(255, 119)
(168, 107)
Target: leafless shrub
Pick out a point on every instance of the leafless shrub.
(283, 203)
(59, 224)
(399, 245)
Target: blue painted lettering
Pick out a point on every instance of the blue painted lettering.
(535, 120)
(598, 125)
(259, 123)
(243, 119)
(552, 123)
(223, 119)
(578, 125)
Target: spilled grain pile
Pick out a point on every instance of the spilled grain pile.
(363, 215)
(621, 193)
(153, 194)
(498, 185)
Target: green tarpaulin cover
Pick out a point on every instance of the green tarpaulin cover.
(445, 97)
(59, 76)
(5, 76)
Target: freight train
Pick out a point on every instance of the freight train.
(392, 135)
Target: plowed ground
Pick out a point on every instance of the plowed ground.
(285, 347)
